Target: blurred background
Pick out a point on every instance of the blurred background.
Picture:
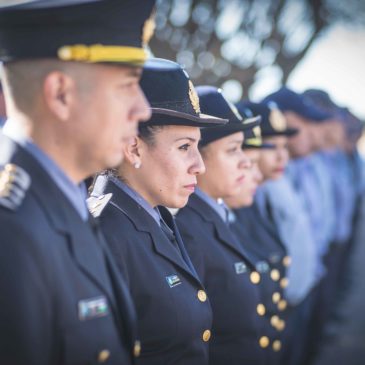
(251, 48)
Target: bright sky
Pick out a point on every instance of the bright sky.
(336, 64)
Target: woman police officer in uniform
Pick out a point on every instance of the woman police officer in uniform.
(225, 267)
(253, 231)
(160, 168)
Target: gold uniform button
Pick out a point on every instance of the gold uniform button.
(286, 261)
(281, 325)
(202, 296)
(274, 320)
(275, 274)
(276, 345)
(284, 282)
(264, 341)
(103, 356)
(255, 277)
(282, 305)
(206, 335)
(276, 297)
(137, 349)
(261, 310)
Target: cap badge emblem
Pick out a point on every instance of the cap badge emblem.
(194, 98)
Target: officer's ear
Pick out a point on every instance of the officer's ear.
(59, 92)
(132, 151)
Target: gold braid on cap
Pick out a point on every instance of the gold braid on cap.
(256, 140)
(101, 53)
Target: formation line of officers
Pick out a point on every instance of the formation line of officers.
(147, 221)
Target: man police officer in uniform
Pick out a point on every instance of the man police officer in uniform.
(71, 83)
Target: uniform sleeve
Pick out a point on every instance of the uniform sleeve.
(116, 239)
(25, 308)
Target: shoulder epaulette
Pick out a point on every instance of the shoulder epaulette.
(14, 183)
(96, 204)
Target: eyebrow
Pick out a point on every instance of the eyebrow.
(134, 72)
(236, 141)
(188, 138)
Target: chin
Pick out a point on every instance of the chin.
(248, 202)
(236, 191)
(178, 203)
(276, 176)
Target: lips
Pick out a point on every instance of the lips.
(241, 179)
(190, 187)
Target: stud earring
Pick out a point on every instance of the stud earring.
(137, 165)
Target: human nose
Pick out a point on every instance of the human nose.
(198, 166)
(142, 109)
(244, 162)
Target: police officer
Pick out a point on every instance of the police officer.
(226, 268)
(254, 230)
(312, 225)
(71, 72)
(160, 169)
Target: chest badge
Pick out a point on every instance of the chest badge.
(173, 280)
(93, 308)
(240, 267)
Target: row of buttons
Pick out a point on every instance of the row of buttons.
(264, 342)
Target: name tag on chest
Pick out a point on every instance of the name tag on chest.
(173, 280)
(93, 308)
(240, 268)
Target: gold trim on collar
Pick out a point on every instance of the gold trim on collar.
(100, 53)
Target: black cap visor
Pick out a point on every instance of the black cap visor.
(213, 134)
(161, 116)
(289, 132)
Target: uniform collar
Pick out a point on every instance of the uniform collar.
(153, 212)
(76, 194)
(217, 205)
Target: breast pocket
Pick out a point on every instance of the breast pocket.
(93, 341)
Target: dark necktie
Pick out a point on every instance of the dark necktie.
(169, 234)
(269, 209)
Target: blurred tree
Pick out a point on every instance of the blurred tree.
(244, 41)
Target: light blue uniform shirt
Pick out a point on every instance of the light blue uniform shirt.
(219, 206)
(76, 194)
(292, 222)
(312, 180)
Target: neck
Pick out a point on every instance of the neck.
(52, 142)
(133, 180)
(207, 188)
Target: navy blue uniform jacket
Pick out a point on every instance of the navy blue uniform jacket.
(225, 270)
(265, 240)
(172, 319)
(53, 271)
(270, 261)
